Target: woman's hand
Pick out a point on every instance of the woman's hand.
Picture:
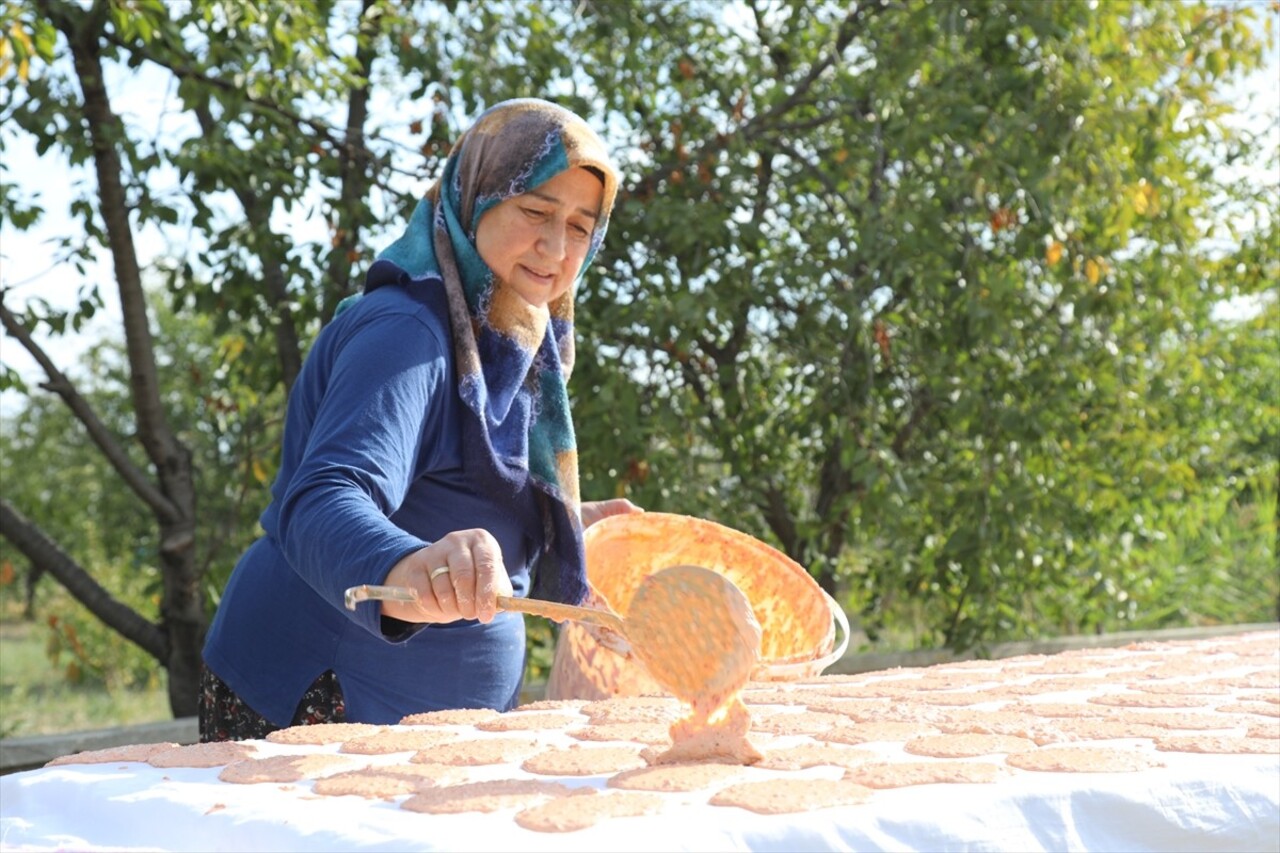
(458, 576)
(593, 511)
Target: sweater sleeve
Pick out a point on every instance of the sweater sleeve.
(373, 414)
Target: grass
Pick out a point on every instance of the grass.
(37, 699)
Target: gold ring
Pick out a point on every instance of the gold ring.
(435, 573)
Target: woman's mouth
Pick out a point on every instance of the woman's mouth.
(540, 278)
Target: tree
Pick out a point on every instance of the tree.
(79, 502)
(908, 289)
(915, 308)
(196, 46)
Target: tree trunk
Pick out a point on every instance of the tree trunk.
(47, 557)
(182, 616)
(351, 209)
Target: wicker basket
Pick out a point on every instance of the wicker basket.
(797, 618)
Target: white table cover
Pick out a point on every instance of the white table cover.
(1195, 802)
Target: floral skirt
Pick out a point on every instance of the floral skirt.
(225, 716)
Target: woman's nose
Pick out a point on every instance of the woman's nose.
(554, 240)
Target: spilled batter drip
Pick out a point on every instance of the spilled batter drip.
(695, 632)
(719, 737)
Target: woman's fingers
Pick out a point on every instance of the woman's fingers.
(593, 511)
(480, 602)
(441, 581)
(457, 577)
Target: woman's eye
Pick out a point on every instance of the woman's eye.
(534, 213)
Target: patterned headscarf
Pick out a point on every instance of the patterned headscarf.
(513, 359)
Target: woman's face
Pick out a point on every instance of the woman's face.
(536, 242)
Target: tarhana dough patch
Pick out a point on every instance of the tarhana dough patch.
(1087, 663)
(112, 755)
(477, 752)
(283, 768)
(1264, 709)
(537, 721)
(839, 689)
(1267, 728)
(967, 697)
(967, 745)
(1260, 680)
(1191, 668)
(857, 710)
(1110, 728)
(552, 705)
(1042, 730)
(788, 796)
(907, 711)
(886, 690)
(1195, 688)
(398, 740)
(834, 679)
(451, 717)
(322, 733)
(753, 696)
(804, 755)
(1260, 642)
(675, 777)
(900, 774)
(1185, 720)
(1048, 685)
(954, 680)
(490, 796)
(634, 709)
(578, 760)
(1059, 709)
(797, 722)
(1150, 700)
(652, 734)
(1082, 759)
(203, 754)
(1218, 745)
(890, 732)
(387, 781)
(572, 813)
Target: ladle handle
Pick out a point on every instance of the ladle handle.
(536, 607)
(558, 612)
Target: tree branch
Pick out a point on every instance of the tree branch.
(800, 90)
(59, 384)
(106, 132)
(918, 414)
(353, 163)
(773, 506)
(821, 176)
(45, 555)
(761, 123)
(288, 349)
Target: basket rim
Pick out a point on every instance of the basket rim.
(791, 668)
(823, 652)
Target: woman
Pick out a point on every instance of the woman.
(428, 443)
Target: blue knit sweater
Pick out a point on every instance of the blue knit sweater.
(371, 470)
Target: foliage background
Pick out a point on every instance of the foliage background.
(926, 295)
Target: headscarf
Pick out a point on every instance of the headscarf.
(513, 359)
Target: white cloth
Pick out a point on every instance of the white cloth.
(1195, 802)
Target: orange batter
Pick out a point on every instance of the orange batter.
(695, 633)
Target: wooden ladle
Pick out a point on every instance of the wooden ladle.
(613, 637)
(691, 628)
(694, 631)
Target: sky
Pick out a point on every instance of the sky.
(29, 262)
